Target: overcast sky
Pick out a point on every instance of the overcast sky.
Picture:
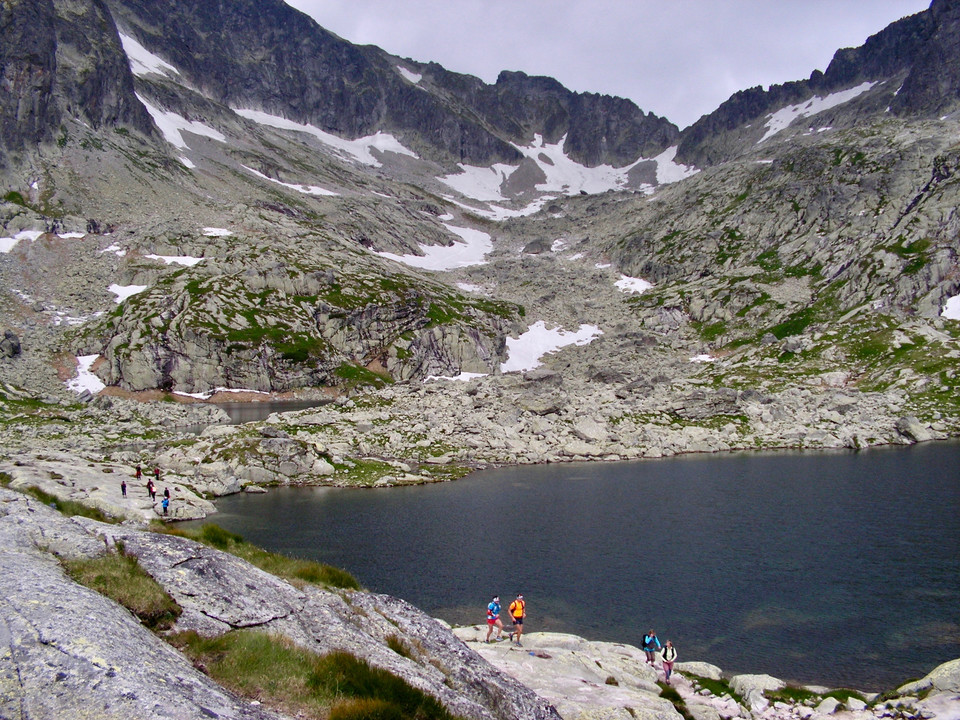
(675, 58)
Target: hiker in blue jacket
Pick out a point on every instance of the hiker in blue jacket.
(651, 643)
(493, 619)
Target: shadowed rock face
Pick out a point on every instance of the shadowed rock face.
(61, 59)
(268, 56)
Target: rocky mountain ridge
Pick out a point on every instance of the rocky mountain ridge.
(260, 252)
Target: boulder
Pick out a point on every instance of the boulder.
(10, 345)
(944, 678)
(912, 429)
(752, 687)
(589, 430)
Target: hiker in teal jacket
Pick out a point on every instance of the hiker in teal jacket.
(650, 646)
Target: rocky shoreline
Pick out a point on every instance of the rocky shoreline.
(72, 651)
(429, 432)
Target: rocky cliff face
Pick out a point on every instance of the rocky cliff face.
(271, 57)
(61, 59)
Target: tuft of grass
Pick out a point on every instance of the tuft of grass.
(295, 569)
(398, 646)
(289, 678)
(120, 577)
(717, 688)
(68, 507)
(797, 695)
(365, 709)
(667, 692)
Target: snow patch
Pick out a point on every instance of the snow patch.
(409, 75)
(480, 183)
(784, 117)
(210, 393)
(178, 259)
(524, 352)
(669, 171)
(8, 243)
(951, 309)
(172, 125)
(142, 61)
(359, 149)
(305, 189)
(116, 249)
(472, 251)
(124, 291)
(563, 176)
(702, 358)
(632, 284)
(462, 377)
(86, 380)
(217, 232)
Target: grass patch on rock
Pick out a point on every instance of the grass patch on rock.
(296, 570)
(120, 577)
(68, 507)
(274, 670)
(667, 692)
(798, 695)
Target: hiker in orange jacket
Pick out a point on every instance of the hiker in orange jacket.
(518, 611)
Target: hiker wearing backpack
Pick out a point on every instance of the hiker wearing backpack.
(669, 657)
(493, 619)
(651, 643)
(518, 611)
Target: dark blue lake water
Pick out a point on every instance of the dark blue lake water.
(836, 568)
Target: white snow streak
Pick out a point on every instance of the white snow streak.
(785, 116)
(359, 149)
(524, 352)
(86, 380)
(178, 259)
(409, 75)
(305, 189)
(472, 251)
(142, 61)
(172, 125)
(632, 284)
(8, 243)
(951, 310)
(124, 291)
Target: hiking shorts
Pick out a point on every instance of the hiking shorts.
(518, 621)
(492, 620)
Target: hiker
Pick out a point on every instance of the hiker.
(156, 473)
(669, 657)
(151, 490)
(493, 618)
(123, 488)
(518, 611)
(165, 505)
(651, 643)
(138, 473)
(166, 493)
